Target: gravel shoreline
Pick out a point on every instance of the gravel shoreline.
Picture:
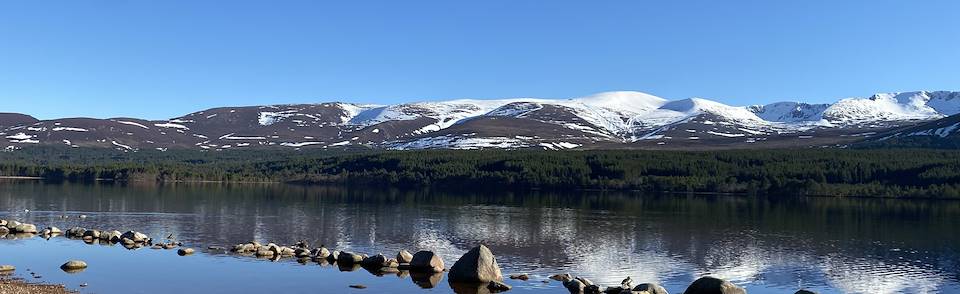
(11, 285)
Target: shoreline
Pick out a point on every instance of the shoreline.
(14, 285)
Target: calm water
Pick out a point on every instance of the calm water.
(765, 245)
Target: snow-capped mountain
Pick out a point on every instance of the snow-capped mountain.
(606, 120)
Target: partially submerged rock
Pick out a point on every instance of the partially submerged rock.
(426, 261)
(404, 256)
(711, 285)
(476, 266)
(349, 258)
(651, 288)
(134, 236)
(73, 266)
(185, 251)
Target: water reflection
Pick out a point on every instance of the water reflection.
(765, 245)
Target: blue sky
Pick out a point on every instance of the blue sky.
(159, 59)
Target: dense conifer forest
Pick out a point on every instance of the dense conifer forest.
(823, 172)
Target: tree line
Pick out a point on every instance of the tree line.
(829, 172)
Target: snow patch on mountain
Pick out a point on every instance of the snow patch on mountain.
(789, 112)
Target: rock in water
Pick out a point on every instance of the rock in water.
(321, 253)
(476, 266)
(711, 285)
(574, 286)
(522, 277)
(651, 288)
(804, 292)
(375, 262)
(25, 228)
(7, 268)
(73, 266)
(497, 286)
(349, 258)
(185, 251)
(426, 261)
(561, 277)
(137, 237)
(404, 256)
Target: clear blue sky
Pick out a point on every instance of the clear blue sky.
(159, 59)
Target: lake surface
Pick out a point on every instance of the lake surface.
(764, 245)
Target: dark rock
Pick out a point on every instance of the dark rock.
(561, 277)
(358, 286)
(711, 285)
(349, 258)
(574, 286)
(426, 261)
(476, 266)
(522, 277)
(651, 288)
(375, 262)
(804, 292)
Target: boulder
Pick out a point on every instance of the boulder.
(137, 237)
(3, 222)
(75, 232)
(375, 262)
(561, 277)
(711, 285)
(804, 292)
(263, 252)
(348, 258)
(51, 231)
(302, 252)
(404, 256)
(185, 251)
(333, 256)
(585, 281)
(476, 266)
(92, 234)
(112, 236)
(73, 265)
(522, 277)
(25, 228)
(321, 253)
(651, 288)
(4, 231)
(7, 268)
(574, 286)
(426, 261)
(287, 251)
(12, 224)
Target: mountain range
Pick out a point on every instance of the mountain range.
(611, 120)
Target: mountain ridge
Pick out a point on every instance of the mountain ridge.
(618, 119)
